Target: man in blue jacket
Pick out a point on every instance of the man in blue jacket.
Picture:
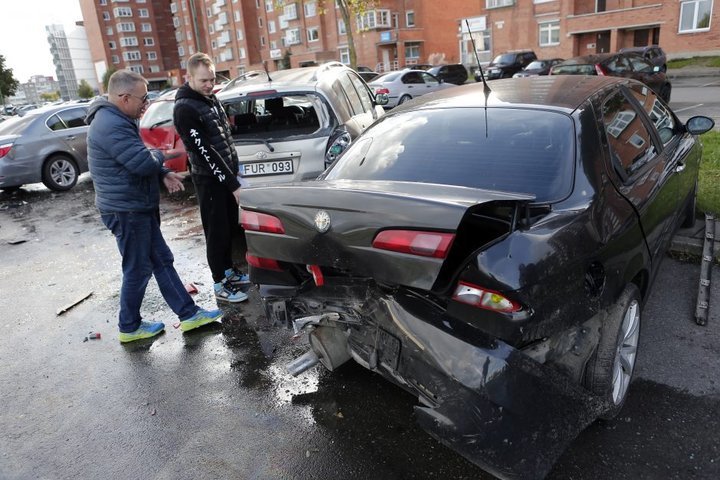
(127, 180)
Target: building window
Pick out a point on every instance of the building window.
(262, 41)
(132, 55)
(151, 55)
(241, 52)
(129, 42)
(146, 27)
(148, 41)
(106, 16)
(103, 2)
(310, 9)
(374, 19)
(154, 69)
(213, 45)
(273, 44)
(137, 68)
(236, 15)
(176, 22)
(290, 11)
(292, 36)
(125, 27)
(269, 5)
(313, 35)
(239, 34)
(271, 26)
(211, 28)
(191, 50)
(208, 12)
(499, 3)
(115, 59)
(410, 19)
(109, 31)
(260, 22)
(549, 34)
(345, 56)
(181, 51)
(173, 8)
(412, 52)
(695, 15)
(143, 13)
(341, 27)
(183, 64)
(122, 12)
(112, 45)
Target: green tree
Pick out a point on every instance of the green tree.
(50, 97)
(85, 90)
(8, 84)
(349, 10)
(106, 77)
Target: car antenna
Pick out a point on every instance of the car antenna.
(266, 70)
(486, 87)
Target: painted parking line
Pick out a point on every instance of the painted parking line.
(716, 82)
(676, 110)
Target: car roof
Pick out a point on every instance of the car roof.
(285, 80)
(560, 92)
(586, 59)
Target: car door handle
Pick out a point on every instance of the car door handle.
(70, 137)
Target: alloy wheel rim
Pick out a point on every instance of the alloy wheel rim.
(626, 352)
(62, 173)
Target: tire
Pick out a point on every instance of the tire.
(60, 173)
(665, 92)
(610, 369)
(404, 99)
(689, 218)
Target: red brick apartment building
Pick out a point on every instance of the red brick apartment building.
(156, 37)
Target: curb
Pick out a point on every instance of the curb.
(693, 73)
(689, 241)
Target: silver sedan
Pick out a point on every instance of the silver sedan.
(404, 85)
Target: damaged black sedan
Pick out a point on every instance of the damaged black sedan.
(489, 252)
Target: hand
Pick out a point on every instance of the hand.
(236, 194)
(173, 182)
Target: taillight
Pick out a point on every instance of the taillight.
(264, 263)
(483, 298)
(600, 70)
(382, 90)
(5, 149)
(424, 244)
(261, 222)
(338, 145)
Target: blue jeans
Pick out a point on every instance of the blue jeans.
(144, 254)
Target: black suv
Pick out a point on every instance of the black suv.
(455, 73)
(507, 64)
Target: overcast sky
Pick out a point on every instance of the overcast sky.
(23, 40)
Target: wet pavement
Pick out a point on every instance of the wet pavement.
(217, 403)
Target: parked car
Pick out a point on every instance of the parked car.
(9, 110)
(157, 131)
(290, 124)
(627, 65)
(366, 73)
(405, 85)
(455, 73)
(538, 67)
(651, 53)
(47, 144)
(26, 108)
(489, 255)
(507, 64)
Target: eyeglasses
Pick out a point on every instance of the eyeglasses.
(143, 99)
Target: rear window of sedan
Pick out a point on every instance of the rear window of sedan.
(522, 151)
(574, 70)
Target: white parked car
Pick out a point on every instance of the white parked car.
(405, 85)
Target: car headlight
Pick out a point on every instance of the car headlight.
(338, 143)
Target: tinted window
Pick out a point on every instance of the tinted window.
(659, 114)
(74, 117)
(524, 151)
(363, 93)
(412, 77)
(630, 142)
(352, 95)
(54, 123)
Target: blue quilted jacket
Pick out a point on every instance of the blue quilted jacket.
(126, 174)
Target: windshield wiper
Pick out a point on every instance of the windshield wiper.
(254, 140)
(161, 122)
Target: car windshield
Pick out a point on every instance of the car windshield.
(505, 58)
(16, 125)
(524, 151)
(157, 114)
(537, 64)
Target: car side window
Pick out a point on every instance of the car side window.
(54, 123)
(363, 94)
(618, 64)
(630, 142)
(429, 79)
(342, 99)
(412, 78)
(352, 95)
(640, 64)
(74, 117)
(659, 114)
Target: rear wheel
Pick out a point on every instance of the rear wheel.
(404, 99)
(611, 367)
(60, 173)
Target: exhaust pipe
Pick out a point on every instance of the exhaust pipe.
(302, 363)
(328, 346)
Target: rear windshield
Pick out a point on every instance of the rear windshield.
(159, 113)
(524, 151)
(16, 125)
(574, 70)
(388, 77)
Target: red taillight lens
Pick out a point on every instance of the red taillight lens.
(382, 90)
(261, 222)
(425, 244)
(600, 70)
(483, 298)
(264, 263)
(5, 149)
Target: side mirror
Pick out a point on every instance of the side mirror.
(381, 99)
(699, 124)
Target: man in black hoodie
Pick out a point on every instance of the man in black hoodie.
(204, 129)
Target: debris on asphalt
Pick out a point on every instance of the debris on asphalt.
(191, 288)
(17, 242)
(70, 305)
(94, 336)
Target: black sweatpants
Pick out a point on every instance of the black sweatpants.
(219, 215)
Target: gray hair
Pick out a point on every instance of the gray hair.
(124, 81)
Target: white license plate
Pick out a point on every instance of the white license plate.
(275, 167)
